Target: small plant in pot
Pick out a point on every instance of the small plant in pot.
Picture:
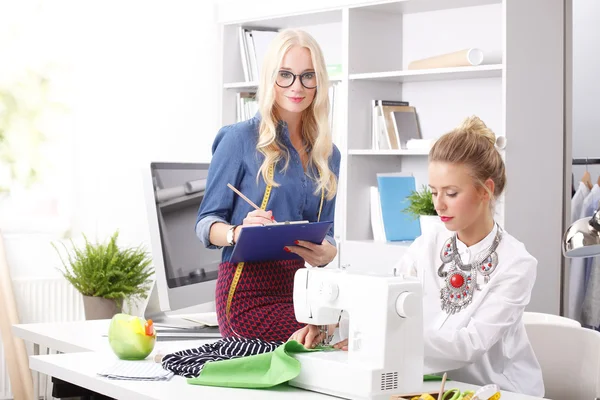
(107, 275)
(421, 206)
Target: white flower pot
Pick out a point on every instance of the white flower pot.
(430, 224)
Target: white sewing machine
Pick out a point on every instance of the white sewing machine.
(385, 344)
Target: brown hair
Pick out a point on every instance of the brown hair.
(473, 145)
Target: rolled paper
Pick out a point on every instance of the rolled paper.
(163, 195)
(500, 142)
(461, 58)
(195, 186)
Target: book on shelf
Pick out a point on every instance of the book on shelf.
(394, 189)
(404, 124)
(389, 131)
(253, 47)
(376, 216)
(247, 105)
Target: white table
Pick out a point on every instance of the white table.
(66, 337)
(88, 351)
(80, 336)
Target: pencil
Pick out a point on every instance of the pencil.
(230, 186)
(441, 393)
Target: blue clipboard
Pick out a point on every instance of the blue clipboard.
(266, 243)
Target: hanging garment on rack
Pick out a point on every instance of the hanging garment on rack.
(577, 275)
(577, 201)
(590, 312)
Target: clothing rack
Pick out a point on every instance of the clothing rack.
(586, 161)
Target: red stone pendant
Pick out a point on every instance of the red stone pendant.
(457, 280)
(458, 291)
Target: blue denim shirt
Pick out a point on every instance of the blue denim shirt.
(236, 161)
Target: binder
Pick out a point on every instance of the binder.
(266, 243)
(393, 192)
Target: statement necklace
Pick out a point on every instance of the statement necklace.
(461, 279)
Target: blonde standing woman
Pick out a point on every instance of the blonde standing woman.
(287, 146)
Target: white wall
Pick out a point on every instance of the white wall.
(147, 87)
(586, 85)
(142, 85)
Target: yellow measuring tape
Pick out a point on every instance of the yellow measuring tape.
(240, 266)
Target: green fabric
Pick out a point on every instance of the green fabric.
(261, 370)
(257, 371)
(432, 378)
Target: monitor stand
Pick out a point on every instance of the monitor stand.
(179, 325)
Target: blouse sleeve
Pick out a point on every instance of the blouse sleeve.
(225, 167)
(503, 306)
(407, 265)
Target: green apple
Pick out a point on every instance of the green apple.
(131, 337)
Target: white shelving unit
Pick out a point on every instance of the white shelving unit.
(435, 74)
(401, 152)
(521, 98)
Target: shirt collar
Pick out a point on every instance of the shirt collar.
(479, 246)
(280, 124)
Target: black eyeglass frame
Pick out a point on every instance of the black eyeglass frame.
(294, 79)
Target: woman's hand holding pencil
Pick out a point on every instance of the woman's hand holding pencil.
(258, 217)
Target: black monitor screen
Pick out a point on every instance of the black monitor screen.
(178, 192)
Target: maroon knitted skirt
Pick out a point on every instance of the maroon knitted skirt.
(262, 306)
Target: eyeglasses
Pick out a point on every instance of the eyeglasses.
(285, 79)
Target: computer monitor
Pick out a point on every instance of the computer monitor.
(185, 270)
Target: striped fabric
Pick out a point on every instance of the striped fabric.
(189, 363)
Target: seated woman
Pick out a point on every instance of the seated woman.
(477, 281)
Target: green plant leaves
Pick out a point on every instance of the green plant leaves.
(105, 270)
(420, 203)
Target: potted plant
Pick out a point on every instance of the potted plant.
(421, 206)
(107, 275)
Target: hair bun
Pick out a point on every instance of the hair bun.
(475, 125)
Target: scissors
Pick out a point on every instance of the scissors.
(456, 394)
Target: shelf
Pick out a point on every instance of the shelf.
(406, 243)
(250, 15)
(241, 86)
(418, 6)
(434, 74)
(248, 86)
(403, 152)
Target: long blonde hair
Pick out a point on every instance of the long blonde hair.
(473, 145)
(315, 119)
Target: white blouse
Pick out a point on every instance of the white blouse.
(486, 341)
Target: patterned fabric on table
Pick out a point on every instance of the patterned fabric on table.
(189, 363)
